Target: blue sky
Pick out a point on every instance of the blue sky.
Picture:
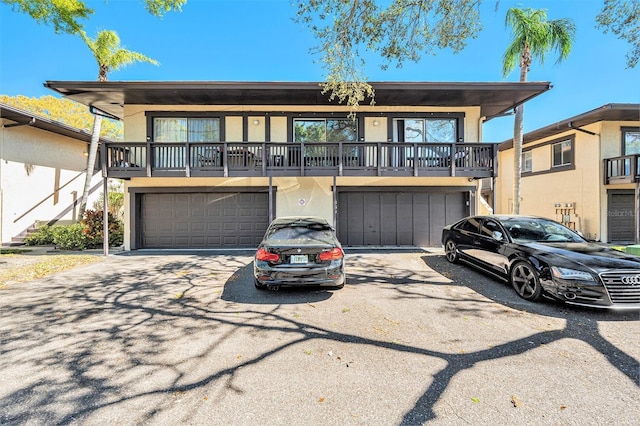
(258, 40)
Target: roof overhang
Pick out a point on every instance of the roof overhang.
(25, 118)
(608, 112)
(110, 97)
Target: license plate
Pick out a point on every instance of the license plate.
(299, 258)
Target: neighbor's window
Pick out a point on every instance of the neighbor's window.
(321, 130)
(630, 140)
(527, 162)
(174, 129)
(562, 154)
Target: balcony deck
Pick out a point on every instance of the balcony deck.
(624, 169)
(248, 159)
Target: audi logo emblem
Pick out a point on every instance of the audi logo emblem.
(631, 280)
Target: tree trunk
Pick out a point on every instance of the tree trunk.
(518, 124)
(91, 161)
(517, 156)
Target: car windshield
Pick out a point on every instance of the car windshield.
(540, 230)
(308, 234)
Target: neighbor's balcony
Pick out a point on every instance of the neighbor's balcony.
(621, 169)
(244, 159)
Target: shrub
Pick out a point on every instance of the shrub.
(94, 230)
(70, 237)
(42, 237)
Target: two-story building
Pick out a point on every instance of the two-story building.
(209, 164)
(582, 171)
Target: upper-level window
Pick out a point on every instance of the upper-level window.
(562, 153)
(425, 130)
(178, 129)
(630, 140)
(527, 161)
(324, 130)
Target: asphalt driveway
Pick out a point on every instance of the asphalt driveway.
(186, 339)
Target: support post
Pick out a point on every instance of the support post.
(105, 216)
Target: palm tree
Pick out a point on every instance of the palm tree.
(533, 37)
(110, 56)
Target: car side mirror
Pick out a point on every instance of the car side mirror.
(497, 235)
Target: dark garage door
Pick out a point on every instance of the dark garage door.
(203, 220)
(621, 218)
(397, 218)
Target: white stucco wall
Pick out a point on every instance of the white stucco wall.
(39, 172)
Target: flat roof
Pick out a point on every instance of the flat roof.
(111, 96)
(608, 112)
(26, 118)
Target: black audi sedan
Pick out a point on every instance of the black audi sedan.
(299, 251)
(543, 258)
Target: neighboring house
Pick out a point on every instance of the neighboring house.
(582, 171)
(42, 168)
(209, 164)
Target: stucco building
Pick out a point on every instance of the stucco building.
(582, 171)
(209, 164)
(42, 172)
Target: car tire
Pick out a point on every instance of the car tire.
(258, 285)
(451, 251)
(525, 281)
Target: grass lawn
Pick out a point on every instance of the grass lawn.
(16, 267)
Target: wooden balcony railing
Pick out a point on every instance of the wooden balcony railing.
(244, 159)
(621, 169)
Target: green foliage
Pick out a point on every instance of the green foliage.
(94, 231)
(66, 16)
(42, 237)
(109, 54)
(89, 233)
(70, 237)
(398, 30)
(534, 36)
(115, 200)
(622, 18)
(65, 111)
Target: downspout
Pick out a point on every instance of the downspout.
(30, 123)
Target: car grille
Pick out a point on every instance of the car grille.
(623, 286)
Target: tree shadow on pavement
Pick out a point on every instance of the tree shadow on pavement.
(140, 337)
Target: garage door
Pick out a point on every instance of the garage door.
(203, 220)
(397, 218)
(620, 216)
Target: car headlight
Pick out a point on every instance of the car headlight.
(571, 274)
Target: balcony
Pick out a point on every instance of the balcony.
(621, 169)
(247, 159)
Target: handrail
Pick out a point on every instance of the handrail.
(344, 158)
(49, 196)
(622, 169)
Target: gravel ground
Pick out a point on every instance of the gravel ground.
(185, 339)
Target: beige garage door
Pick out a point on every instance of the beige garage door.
(203, 220)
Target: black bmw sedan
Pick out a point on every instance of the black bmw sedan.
(299, 251)
(543, 258)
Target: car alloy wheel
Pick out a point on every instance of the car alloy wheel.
(451, 251)
(525, 281)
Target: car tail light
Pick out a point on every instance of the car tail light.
(333, 254)
(262, 254)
